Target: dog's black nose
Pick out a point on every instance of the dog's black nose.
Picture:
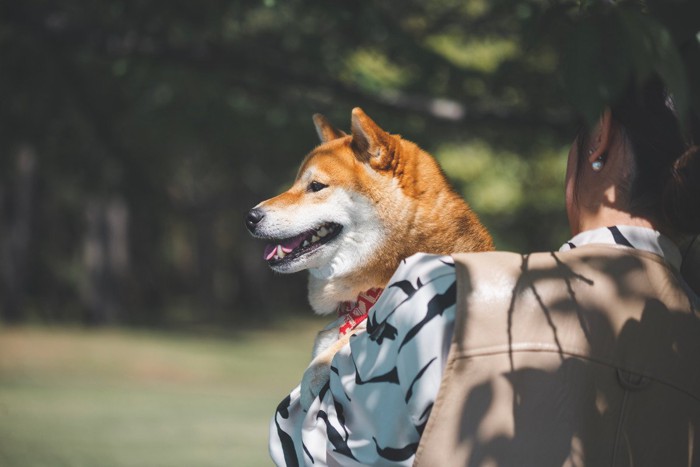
(253, 218)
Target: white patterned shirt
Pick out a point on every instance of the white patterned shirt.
(384, 383)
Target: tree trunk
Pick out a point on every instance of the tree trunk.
(16, 234)
(106, 259)
(206, 249)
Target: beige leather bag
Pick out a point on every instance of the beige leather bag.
(589, 357)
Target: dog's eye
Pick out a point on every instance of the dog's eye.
(316, 186)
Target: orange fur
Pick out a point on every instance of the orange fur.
(407, 207)
(419, 209)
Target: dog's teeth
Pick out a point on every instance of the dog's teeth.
(305, 244)
(322, 232)
(280, 252)
(314, 239)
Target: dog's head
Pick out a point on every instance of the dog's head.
(329, 221)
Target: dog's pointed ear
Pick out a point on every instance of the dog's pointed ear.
(370, 143)
(326, 131)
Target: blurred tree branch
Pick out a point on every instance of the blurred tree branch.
(190, 113)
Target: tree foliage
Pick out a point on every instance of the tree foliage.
(135, 135)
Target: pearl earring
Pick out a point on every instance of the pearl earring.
(597, 164)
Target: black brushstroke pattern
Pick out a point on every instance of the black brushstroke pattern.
(324, 389)
(427, 411)
(337, 372)
(340, 415)
(340, 444)
(618, 237)
(436, 307)
(290, 455)
(377, 332)
(409, 393)
(283, 407)
(406, 286)
(424, 416)
(308, 454)
(390, 377)
(396, 454)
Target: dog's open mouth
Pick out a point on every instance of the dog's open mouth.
(290, 248)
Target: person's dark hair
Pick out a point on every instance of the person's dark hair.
(665, 185)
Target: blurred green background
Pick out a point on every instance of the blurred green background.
(140, 324)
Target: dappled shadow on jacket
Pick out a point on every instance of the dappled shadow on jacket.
(589, 357)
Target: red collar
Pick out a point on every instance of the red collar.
(356, 312)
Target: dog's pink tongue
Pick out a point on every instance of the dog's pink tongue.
(286, 245)
(269, 252)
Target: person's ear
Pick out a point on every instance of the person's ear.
(603, 138)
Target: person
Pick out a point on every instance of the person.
(588, 355)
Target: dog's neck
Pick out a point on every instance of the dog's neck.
(355, 312)
(326, 295)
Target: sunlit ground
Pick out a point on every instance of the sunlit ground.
(71, 397)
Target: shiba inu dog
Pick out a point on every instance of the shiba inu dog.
(360, 204)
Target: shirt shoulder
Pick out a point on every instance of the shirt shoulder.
(416, 276)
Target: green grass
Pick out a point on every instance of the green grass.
(118, 398)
